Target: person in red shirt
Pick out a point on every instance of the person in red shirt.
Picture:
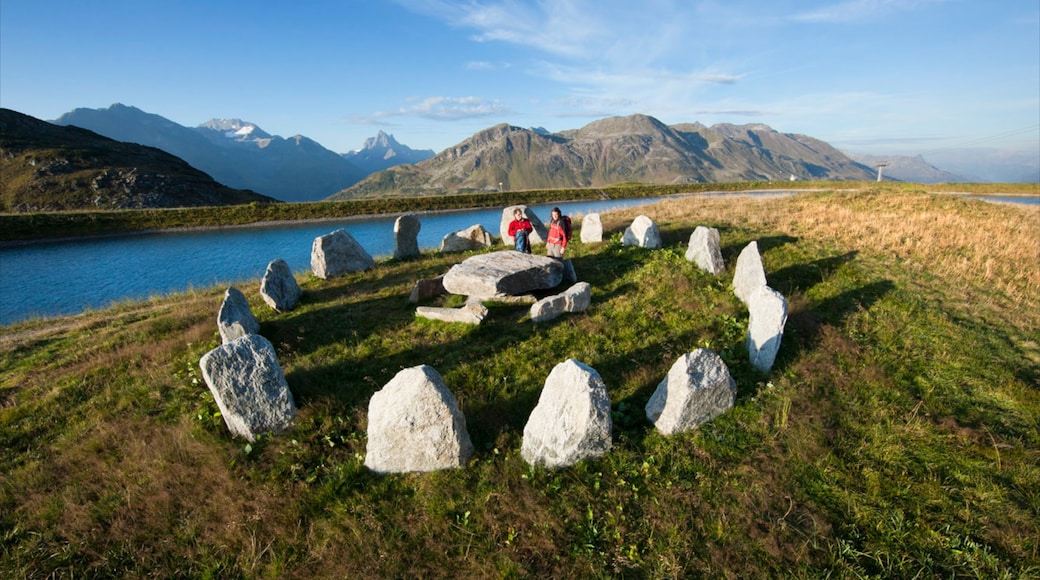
(519, 228)
(559, 234)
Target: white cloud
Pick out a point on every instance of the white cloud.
(446, 109)
(858, 10)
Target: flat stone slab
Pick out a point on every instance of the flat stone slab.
(504, 273)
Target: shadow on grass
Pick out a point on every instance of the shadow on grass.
(800, 277)
(731, 252)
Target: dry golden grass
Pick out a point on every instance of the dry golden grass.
(982, 252)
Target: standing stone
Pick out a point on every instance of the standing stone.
(472, 238)
(503, 273)
(767, 310)
(338, 253)
(569, 275)
(414, 424)
(705, 250)
(248, 385)
(698, 388)
(572, 419)
(539, 234)
(279, 288)
(591, 229)
(406, 236)
(749, 274)
(235, 319)
(643, 233)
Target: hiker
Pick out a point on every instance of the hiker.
(559, 234)
(519, 228)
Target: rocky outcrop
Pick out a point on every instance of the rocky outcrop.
(235, 319)
(705, 250)
(591, 229)
(505, 272)
(279, 288)
(337, 254)
(406, 237)
(249, 387)
(414, 424)
(749, 275)
(643, 233)
(767, 316)
(697, 389)
(472, 238)
(577, 298)
(571, 421)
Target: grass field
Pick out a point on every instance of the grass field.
(897, 436)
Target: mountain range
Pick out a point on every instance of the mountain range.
(635, 148)
(46, 168)
(235, 153)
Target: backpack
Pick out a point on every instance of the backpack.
(566, 220)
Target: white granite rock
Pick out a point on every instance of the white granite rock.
(697, 389)
(572, 419)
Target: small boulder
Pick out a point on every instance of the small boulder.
(538, 236)
(572, 419)
(338, 253)
(249, 387)
(472, 238)
(577, 298)
(705, 250)
(235, 319)
(643, 233)
(503, 273)
(414, 424)
(698, 388)
(749, 275)
(767, 310)
(427, 288)
(406, 236)
(279, 288)
(591, 229)
(471, 313)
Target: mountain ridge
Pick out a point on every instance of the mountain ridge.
(614, 150)
(288, 169)
(46, 167)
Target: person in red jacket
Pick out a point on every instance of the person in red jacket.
(519, 228)
(559, 234)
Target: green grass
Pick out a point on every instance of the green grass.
(897, 436)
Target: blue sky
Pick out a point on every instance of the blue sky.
(869, 76)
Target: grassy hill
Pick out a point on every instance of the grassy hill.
(898, 434)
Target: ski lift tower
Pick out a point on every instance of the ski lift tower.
(879, 166)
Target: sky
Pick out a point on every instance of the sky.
(883, 77)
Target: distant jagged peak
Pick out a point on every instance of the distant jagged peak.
(381, 141)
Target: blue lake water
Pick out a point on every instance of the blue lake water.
(61, 278)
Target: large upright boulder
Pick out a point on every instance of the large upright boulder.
(591, 229)
(279, 288)
(705, 250)
(697, 389)
(538, 236)
(414, 424)
(406, 236)
(249, 387)
(503, 273)
(474, 237)
(337, 254)
(767, 315)
(572, 419)
(235, 319)
(749, 275)
(643, 232)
